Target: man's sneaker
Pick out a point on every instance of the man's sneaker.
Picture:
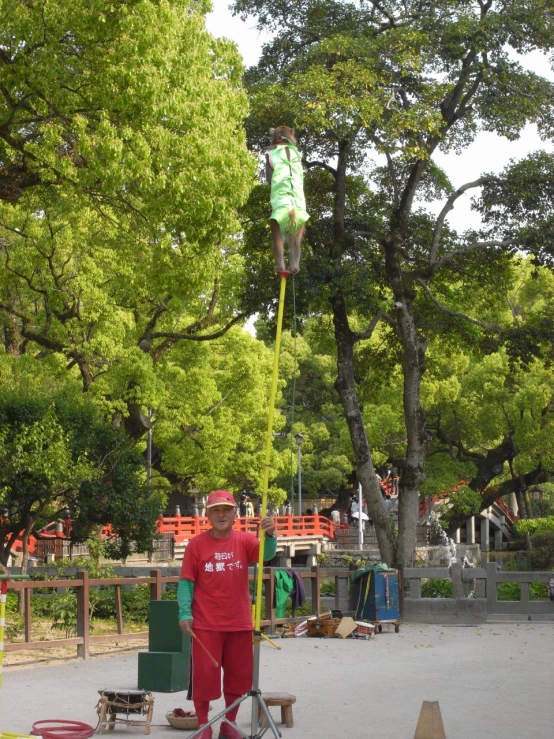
(228, 732)
(206, 734)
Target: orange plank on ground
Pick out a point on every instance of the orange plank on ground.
(430, 724)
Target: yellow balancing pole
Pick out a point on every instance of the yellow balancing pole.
(268, 447)
(258, 702)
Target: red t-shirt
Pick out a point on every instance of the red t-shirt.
(219, 570)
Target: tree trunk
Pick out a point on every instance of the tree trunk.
(24, 566)
(412, 473)
(345, 385)
(413, 346)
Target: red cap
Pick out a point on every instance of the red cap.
(220, 497)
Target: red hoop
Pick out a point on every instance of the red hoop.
(61, 729)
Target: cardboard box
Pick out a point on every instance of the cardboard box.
(346, 626)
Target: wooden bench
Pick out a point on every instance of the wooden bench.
(285, 700)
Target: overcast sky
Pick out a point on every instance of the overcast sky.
(488, 153)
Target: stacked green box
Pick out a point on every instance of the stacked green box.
(165, 667)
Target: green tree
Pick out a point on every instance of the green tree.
(122, 164)
(375, 91)
(57, 453)
(489, 411)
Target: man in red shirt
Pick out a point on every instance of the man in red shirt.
(214, 597)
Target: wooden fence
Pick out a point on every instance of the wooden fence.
(83, 584)
(163, 549)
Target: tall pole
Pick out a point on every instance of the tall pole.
(258, 702)
(265, 486)
(149, 450)
(360, 521)
(299, 480)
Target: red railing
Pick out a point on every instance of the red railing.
(506, 511)
(186, 527)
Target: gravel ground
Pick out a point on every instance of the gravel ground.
(492, 681)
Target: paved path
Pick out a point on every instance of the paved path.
(492, 682)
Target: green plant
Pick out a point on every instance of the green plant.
(535, 525)
(64, 613)
(512, 591)
(463, 503)
(14, 622)
(436, 588)
(327, 587)
(135, 603)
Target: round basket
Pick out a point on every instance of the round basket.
(182, 722)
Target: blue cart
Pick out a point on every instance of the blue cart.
(376, 597)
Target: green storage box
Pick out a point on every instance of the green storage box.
(164, 634)
(163, 672)
(165, 667)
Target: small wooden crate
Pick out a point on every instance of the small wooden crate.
(322, 628)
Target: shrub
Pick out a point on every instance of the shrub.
(436, 588)
(463, 503)
(512, 591)
(327, 587)
(64, 613)
(535, 526)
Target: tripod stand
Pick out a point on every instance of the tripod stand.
(258, 727)
(259, 707)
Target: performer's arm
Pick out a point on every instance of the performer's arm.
(270, 547)
(185, 596)
(270, 538)
(268, 169)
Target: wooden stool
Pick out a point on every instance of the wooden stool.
(129, 703)
(285, 700)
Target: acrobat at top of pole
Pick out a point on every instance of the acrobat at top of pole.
(287, 273)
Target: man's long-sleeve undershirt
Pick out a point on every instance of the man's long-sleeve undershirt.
(185, 590)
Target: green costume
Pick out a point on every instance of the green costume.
(284, 585)
(287, 188)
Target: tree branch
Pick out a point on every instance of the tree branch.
(194, 337)
(362, 335)
(469, 248)
(322, 165)
(448, 206)
(485, 326)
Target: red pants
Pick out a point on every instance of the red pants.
(233, 651)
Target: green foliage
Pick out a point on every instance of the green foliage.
(436, 588)
(64, 613)
(327, 587)
(463, 503)
(58, 452)
(397, 82)
(119, 191)
(14, 622)
(512, 591)
(535, 526)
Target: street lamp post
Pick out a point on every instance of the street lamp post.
(299, 439)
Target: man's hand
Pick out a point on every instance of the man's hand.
(186, 626)
(268, 525)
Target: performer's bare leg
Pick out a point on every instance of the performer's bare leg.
(277, 245)
(294, 247)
